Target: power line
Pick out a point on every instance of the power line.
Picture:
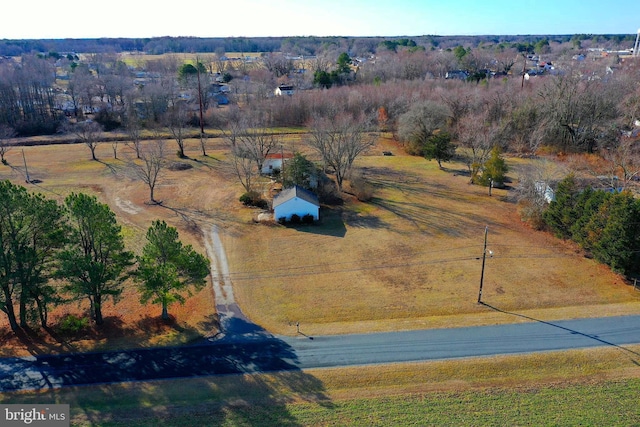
(320, 269)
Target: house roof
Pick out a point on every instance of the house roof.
(279, 156)
(293, 192)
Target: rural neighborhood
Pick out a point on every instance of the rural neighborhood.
(289, 230)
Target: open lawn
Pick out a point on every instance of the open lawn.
(411, 258)
(408, 258)
(582, 387)
(192, 200)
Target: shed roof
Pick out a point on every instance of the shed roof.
(279, 156)
(293, 192)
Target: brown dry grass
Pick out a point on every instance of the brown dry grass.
(410, 259)
(406, 259)
(193, 200)
(143, 403)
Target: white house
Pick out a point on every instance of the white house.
(273, 162)
(295, 200)
(284, 90)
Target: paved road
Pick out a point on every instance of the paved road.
(247, 348)
(244, 347)
(466, 342)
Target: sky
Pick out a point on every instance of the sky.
(50, 19)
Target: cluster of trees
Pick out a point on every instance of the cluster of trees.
(583, 108)
(53, 254)
(294, 45)
(28, 97)
(603, 223)
(340, 75)
(336, 137)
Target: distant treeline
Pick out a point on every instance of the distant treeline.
(294, 45)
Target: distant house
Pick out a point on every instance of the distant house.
(273, 162)
(284, 90)
(295, 200)
(543, 189)
(456, 75)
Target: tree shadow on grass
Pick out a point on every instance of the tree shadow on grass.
(431, 220)
(330, 224)
(224, 372)
(112, 168)
(38, 342)
(355, 219)
(193, 217)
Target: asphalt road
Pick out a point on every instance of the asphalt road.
(246, 348)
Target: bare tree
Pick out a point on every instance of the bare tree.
(339, 140)
(477, 137)
(244, 167)
(623, 162)
(83, 88)
(278, 64)
(150, 166)
(176, 121)
(6, 133)
(524, 127)
(321, 62)
(533, 191)
(249, 136)
(419, 123)
(257, 142)
(220, 61)
(505, 59)
(87, 132)
(578, 109)
(250, 142)
(133, 128)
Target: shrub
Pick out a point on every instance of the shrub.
(307, 219)
(495, 169)
(295, 219)
(361, 188)
(72, 324)
(108, 120)
(246, 199)
(282, 220)
(253, 198)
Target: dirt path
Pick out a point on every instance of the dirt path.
(232, 320)
(222, 288)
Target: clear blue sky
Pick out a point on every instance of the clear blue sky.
(34, 19)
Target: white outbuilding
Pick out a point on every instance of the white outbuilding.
(295, 200)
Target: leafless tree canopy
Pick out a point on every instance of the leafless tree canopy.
(150, 166)
(250, 141)
(88, 132)
(339, 140)
(6, 133)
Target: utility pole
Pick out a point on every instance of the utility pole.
(524, 69)
(26, 171)
(204, 152)
(484, 257)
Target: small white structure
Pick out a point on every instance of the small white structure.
(284, 90)
(274, 162)
(543, 189)
(295, 200)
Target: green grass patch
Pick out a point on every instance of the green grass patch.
(581, 387)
